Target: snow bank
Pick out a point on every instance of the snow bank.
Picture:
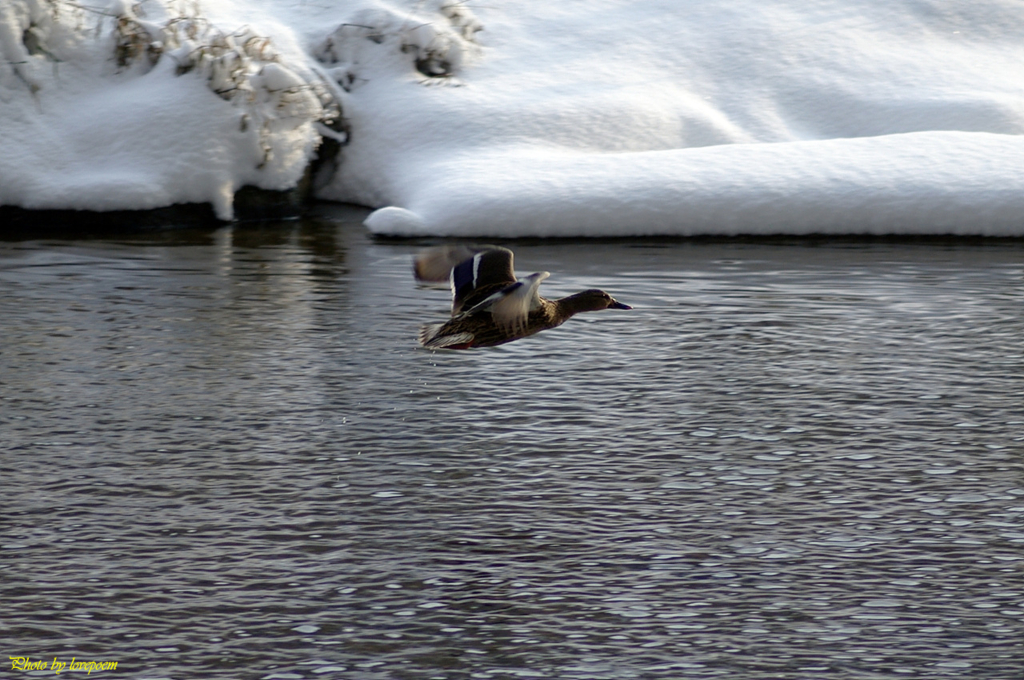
(139, 106)
(916, 183)
(623, 118)
(605, 117)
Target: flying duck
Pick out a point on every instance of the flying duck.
(489, 305)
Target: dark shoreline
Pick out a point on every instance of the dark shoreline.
(257, 205)
(251, 205)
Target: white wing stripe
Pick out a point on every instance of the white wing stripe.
(476, 268)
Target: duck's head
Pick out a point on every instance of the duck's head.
(593, 300)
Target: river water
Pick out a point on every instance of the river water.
(224, 456)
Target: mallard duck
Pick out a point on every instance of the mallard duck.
(489, 305)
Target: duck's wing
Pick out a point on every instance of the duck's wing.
(511, 305)
(481, 276)
(435, 264)
(474, 272)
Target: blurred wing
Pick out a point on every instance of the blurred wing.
(435, 264)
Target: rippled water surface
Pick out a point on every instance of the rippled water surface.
(223, 455)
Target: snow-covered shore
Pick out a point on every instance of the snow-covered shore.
(600, 118)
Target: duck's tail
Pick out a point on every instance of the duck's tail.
(429, 332)
(431, 338)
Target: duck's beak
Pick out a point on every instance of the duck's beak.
(618, 305)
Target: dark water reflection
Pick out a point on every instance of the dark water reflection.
(223, 456)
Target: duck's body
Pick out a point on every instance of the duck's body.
(489, 305)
